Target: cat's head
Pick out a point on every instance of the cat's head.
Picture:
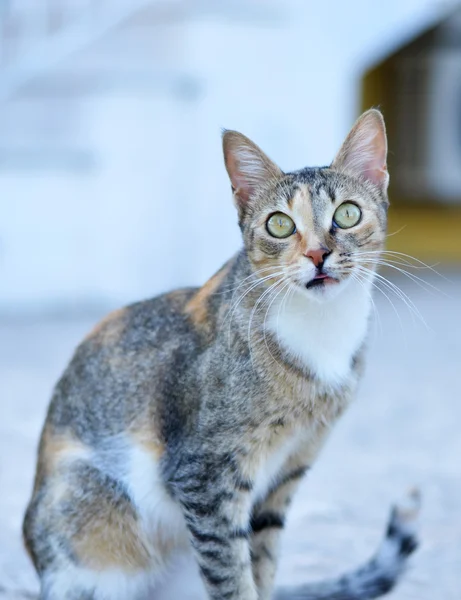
(318, 227)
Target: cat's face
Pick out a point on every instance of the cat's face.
(316, 227)
(319, 228)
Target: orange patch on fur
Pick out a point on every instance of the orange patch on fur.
(148, 441)
(112, 541)
(109, 329)
(197, 306)
(54, 449)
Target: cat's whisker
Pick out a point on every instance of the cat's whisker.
(361, 282)
(396, 232)
(414, 311)
(266, 296)
(361, 279)
(284, 301)
(422, 283)
(291, 289)
(373, 259)
(288, 284)
(394, 261)
(365, 278)
(260, 300)
(252, 286)
(246, 280)
(388, 284)
(282, 307)
(411, 260)
(245, 284)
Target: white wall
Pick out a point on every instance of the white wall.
(156, 212)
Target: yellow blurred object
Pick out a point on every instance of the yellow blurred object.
(430, 233)
(418, 89)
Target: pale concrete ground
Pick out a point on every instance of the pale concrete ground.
(403, 430)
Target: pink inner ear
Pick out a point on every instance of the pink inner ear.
(365, 149)
(241, 186)
(247, 166)
(377, 176)
(375, 169)
(238, 180)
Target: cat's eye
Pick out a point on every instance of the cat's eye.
(280, 225)
(347, 215)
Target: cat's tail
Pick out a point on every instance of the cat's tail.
(379, 575)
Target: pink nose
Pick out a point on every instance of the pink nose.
(317, 255)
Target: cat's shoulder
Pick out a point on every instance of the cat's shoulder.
(142, 320)
(127, 351)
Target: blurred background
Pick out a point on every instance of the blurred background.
(112, 189)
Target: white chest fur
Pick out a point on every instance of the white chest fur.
(323, 335)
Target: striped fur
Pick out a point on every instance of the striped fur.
(185, 423)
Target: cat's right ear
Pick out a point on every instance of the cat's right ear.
(364, 152)
(247, 166)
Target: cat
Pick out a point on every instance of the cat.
(185, 422)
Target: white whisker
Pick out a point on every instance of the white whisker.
(252, 285)
(414, 311)
(288, 285)
(388, 254)
(423, 284)
(235, 287)
(377, 321)
(365, 274)
(260, 300)
(396, 232)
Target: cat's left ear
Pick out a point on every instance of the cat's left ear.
(364, 152)
(247, 166)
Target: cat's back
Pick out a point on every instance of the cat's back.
(127, 362)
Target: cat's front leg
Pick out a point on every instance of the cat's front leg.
(217, 512)
(267, 522)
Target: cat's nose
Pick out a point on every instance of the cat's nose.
(317, 255)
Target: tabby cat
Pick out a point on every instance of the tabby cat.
(185, 423)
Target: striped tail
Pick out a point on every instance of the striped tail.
(380, 574)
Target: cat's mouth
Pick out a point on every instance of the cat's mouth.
(321, 280)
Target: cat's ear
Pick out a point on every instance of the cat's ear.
(364, 152)
(247, 166)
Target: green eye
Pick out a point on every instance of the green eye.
(347, 215)
(280, 225)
